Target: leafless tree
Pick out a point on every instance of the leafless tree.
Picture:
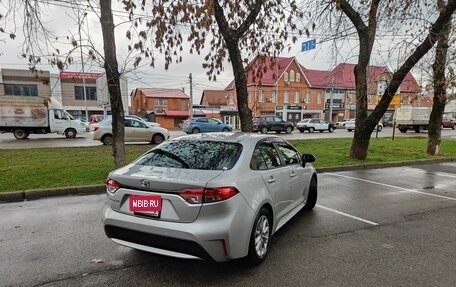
(367, 18)
(225, 30)
(41, 43)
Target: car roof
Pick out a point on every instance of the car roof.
(239, 137)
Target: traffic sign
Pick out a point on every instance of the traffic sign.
(308, 45)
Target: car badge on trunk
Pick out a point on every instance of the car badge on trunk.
(145, 182)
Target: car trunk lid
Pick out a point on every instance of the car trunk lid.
(167, 183)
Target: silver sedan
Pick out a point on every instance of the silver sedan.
(215, 196)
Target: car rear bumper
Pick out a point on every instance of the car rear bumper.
(221, 232)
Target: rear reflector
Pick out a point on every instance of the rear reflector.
(198, 196)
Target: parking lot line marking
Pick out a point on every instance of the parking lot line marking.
(347, 215)
(393, 186)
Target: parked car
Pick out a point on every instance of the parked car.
(144, 120)
(96, 118)
(312, 125)
(448, 123)
(204, 125)
(350, 126)
(135, 131)
(341, 123)
(216, 195)
(265, 124)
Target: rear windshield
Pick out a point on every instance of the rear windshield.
(191, 154)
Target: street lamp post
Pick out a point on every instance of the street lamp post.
(82, 63)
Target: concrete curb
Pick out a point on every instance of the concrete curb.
(386, 164)
(15, 196)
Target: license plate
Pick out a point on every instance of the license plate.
(150, 205)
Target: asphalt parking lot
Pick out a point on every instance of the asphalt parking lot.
(376, 227)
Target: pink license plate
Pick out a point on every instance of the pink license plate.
(146, 204)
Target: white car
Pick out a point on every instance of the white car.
(350, 126)
(135, 131)
(312, 125)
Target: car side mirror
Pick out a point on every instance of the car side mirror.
(307, 157)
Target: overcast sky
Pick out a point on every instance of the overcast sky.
(60, 20)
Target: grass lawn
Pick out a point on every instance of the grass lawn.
(26, 169)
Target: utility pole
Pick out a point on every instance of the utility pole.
(191, 96)
(82, 63)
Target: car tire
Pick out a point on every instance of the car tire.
(70, 133)
(20, 134)
(288, 130)
(225, 130)
(312, 195)
(402, 130)
(278, 132)
(301, 130)
(330, 129)
(261, 233)
(158, 138)
(107, 139)
(379, 128)
(264, 130)
(349, 130)
(195, 131)
(311, 130)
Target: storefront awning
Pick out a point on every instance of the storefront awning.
(177, 113)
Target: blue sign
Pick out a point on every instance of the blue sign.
(308, 45)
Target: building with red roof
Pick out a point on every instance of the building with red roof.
(275, 83)
(168, 107)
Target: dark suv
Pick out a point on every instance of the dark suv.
(265, 124)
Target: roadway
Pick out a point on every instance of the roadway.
(7, 141)
(379, 227)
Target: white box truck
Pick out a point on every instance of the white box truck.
(25, 115)
(412, 118)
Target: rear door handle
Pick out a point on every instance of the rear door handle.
(292, 174)
(271, 179)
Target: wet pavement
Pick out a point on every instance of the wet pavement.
(379, 227)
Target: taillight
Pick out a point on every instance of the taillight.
(196, 196)
(192, 195)
(111, 185)
(95, 128)
(219, 194)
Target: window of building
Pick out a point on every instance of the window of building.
(285, 97)
(231, 100)
(161, 102)
(274, 97)
(319, 98)
(298, 77)
(184, 104)
(250, 98)
(292, 76)
(21, 90)
(260, 96)
(285, 76)
(91, 93)
(308, 97)
(296, 97)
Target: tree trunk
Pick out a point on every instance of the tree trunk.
(113, 80)
(240, 81)
(438, 106)
(366, 36)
